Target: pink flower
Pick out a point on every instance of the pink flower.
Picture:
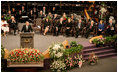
(71, 64)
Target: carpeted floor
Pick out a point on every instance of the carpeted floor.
(43, 42)
(40, 42)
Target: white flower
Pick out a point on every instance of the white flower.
(59, 54)
(56, 47)
(54, 52)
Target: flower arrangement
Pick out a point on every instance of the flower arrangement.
(56, 51)
(58, 65)
(99, 41)
(77, 61)
(59, 54)
(69, 63)
(109, 40)
(93, 59)
(25, 55)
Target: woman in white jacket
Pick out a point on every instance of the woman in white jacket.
(4, 26)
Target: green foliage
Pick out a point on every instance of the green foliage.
(73, 44)
(2, 51)
(72, 50)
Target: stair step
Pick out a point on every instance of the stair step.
(96, 49)
(86, 44)
(100, 52)
(103, 55)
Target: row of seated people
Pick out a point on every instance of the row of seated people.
(6, 26)
(76, 28)
(65, 25)
(22, 15)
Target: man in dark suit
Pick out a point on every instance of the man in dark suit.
(89, 28)
(110, 28)
(60, 25)
(55, 25)
(79, 28)
(13, 24)
(68, 27)
(26, 28)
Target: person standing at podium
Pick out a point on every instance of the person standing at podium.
(27, 28)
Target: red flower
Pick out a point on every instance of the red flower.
(36, 51)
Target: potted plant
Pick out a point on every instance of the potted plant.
(99, 42)
(93, 59)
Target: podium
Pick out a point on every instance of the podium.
(27, 40)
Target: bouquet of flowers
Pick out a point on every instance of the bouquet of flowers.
(79, 61)
(99, 41)
(25, 55)
(92, 59)
(69, 63)
(56, 51)
(58, 65)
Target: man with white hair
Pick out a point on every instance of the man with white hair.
(13, 24)
(110, 28)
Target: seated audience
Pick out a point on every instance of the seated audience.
(110, 28)
(4, 26)
(44, 10)
(55, 25)
(23, 11)
(53, 10)
(41, 15)
(68, 27)
(79, 28)
(13, 24)
(60, 24)
(35, 11)
(31, 16)
(19, 16)
(89, 28)
(8, 16)
(13, 12)
(100, 27)
(50, 16)
(46, 26)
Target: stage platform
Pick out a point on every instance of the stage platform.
(40, 42)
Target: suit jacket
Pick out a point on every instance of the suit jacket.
(81, 26)
(46, 24)
(69, 24)
(24, 29)
(12, 24)
(110, 26)
(59, 24)
(88, 27)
